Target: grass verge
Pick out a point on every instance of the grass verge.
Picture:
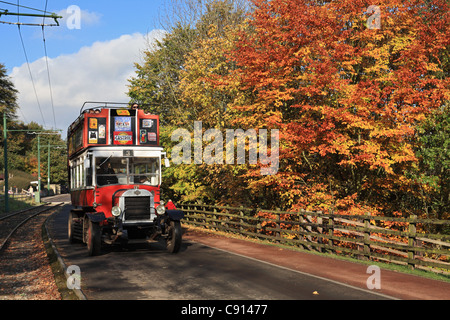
(58, 271)
(16, 205)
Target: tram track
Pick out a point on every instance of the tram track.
(25, 270)
(9, 224)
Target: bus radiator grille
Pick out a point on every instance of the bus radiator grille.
(137, 208)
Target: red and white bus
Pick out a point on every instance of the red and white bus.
(114, 169)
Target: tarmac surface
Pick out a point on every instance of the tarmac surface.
(211, 255)
(394, 284)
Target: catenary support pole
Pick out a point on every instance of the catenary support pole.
(5, 139)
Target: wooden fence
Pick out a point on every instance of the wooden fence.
(16, 196)
(397, 240)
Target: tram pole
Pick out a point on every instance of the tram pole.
(5, 145)
(48, 169)
(38, 195)
(48, 162)
(38, 133)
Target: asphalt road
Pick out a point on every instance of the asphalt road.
(197, 272)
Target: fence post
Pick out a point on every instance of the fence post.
(258, 222)
(214, 223)
(366, 249)
(411, 241)
(196, 213)
(330, 232)
(306, 220)
(300, 236)
(319, 231)
(278, 233)
(227, 218)
(205, 224)
(190, 214)
(186, 216)
(241, 220)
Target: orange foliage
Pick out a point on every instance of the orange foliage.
(346, 98)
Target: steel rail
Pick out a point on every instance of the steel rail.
(8, 237)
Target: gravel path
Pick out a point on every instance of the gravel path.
(25, 272)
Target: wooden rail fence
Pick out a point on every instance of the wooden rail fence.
(16, 196)
(406, 241)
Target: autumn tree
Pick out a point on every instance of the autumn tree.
(208, 96)
(347, 97)
(156, 84)
(204, 91)
(171, 81)
(157, 80)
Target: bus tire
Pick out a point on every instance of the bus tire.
(94, 238)
(74, 228)
(174, 237)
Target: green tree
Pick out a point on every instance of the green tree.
(433, 169)
(22, 146)
(156, 84)
(8, 95)
(8, 107)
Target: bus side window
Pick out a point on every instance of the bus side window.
(89, 177)
(88, 171)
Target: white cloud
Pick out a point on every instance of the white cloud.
(96, 73)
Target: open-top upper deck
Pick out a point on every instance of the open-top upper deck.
(112, 124)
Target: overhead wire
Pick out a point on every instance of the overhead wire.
(27, 60)
(6, 12)
(18, 20)
(20, 6)
(48, 69)
(28, 64)
(31, 75)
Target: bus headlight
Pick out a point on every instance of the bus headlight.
(160, 209)
(116, 211)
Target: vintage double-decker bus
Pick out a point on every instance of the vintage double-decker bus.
(114, 169)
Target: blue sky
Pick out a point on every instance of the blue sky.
(107, 20)
(90, 63)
